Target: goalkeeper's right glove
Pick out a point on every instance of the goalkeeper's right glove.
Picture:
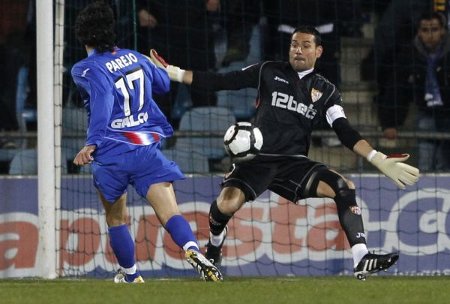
(393, 167)
(174, 72)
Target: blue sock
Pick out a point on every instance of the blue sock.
(123, 246)
(181, 233)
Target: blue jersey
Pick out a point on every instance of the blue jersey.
(117, 90)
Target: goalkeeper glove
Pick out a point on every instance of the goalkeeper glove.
(174, 72)
(393, 167)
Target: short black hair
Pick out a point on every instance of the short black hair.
(95, 26)
(308, 29)
(433, 15)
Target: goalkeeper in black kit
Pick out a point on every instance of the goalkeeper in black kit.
(292, 98)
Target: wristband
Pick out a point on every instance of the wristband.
(371, 155)
(175, 73)
(180, 74)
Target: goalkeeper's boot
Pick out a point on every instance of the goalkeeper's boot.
(372, 263)
(214, 253)
(121, 277)
(205, 268)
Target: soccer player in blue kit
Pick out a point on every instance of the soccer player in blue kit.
(123, 140)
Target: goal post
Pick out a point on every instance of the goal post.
(49, 51)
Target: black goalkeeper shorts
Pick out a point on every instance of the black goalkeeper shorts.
(286, 176)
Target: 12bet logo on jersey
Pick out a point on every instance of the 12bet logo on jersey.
(243, 141)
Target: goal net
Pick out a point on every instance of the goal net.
(269, 236)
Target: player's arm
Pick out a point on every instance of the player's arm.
(392, 166)
(98, 93)
(101, 102)
(235, 80)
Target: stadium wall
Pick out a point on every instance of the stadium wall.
(268, 237)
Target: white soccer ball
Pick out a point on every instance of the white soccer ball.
(243, 141)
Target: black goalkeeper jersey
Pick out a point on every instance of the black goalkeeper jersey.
(288, 107)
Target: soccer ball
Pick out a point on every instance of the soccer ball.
(243, 141)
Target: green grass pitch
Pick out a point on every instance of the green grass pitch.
(346, 289)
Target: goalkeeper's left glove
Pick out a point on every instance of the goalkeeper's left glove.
(393, 167)
(174, 72)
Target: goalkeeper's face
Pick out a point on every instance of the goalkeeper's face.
(303, 51)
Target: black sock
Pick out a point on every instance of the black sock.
(217, 220)
(350, 218)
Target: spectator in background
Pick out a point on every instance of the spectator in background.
(330, 17)
(395, 29)
(240, 18)
(14, 53)
(422, 76)
(182, 31)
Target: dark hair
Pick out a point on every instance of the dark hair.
(307, 29)
(94, 26)
(433, 15)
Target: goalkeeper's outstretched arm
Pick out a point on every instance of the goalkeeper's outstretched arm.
(392, 166)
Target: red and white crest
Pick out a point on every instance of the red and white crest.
(315, 95)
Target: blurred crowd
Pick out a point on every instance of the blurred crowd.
(217, 34)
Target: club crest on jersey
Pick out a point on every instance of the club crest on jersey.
(315, 95)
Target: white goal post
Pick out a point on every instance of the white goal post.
(49, 48)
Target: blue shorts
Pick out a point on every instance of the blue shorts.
(140, 168)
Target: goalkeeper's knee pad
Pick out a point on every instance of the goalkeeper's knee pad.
(344, 190)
